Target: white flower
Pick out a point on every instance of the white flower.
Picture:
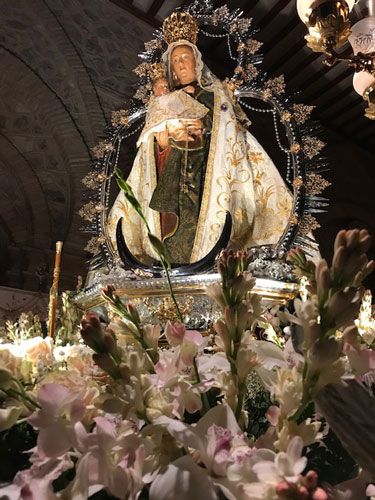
(285, 466)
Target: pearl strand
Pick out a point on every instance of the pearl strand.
(211, 35)
(258, 110)
(286, 151)
(230, 49)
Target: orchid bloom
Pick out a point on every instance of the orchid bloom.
(285, 466)
(35, 483)
(60, 411)
(189, 342)
(216, 442)
(113, 458)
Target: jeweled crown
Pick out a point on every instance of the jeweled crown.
(157, 71)
(180, 26)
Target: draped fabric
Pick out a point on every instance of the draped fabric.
(239, 177)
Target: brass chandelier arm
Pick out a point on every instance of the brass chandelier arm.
(329, 29)
(360, 61)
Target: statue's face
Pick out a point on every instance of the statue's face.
(160, 87)
(183, 64)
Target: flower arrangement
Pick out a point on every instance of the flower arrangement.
(161, 412)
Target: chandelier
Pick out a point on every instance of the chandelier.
(331, 25)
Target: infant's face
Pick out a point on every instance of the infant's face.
(160, 87)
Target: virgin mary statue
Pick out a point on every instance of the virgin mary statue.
(189, 174)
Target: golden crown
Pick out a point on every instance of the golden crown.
(180, 26)
(157, 71)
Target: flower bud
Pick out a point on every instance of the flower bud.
(109, 341)
(323, 279)
(303, 493)
(283, 489)
(92, 332)
(133, 313)
(324, 352)
(352, 240)
(222, 329)
(351, 336)
(319, 494)
(364, 241)
(311, 479)
(340, 240)
(339, 259)
(106, 363)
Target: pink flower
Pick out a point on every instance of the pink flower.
(285, 466)
(216, 441)
(361, 359)
(60, 410)
(215, 437)
(152, 335)
(113, 459)
(36, 483)
(168, 365)
(174, 333)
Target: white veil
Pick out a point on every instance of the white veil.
(205, 77)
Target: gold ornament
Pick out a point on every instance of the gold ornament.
(295, 148)
(89, 210)
(142, 69)
(329, 26)
(153, 45)
(312, 146)
(251, 46)
(102, 149)
(251, 71)
(241, 26)
(315, 184)
(298, 182)
(157, 71)
(180, 26)
(255, 157)
(93, 180)
(143, 94)
(301, 112)
(276, 85)
(308, 224)
(293, 219)
(369, 97)
(166, 310)
(286, 116)
(120, 117)
(266, 93)
(219, 14)
(93, 244)
(233, 84)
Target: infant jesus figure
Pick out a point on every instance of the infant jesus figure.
(173, 117)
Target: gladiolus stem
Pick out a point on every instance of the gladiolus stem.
(172, 293)
(204, 398)
(23, 396)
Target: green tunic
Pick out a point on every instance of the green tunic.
(180, 187)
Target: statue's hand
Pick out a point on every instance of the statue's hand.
(179, 132)
(190, 89)
(195, 127)
(162, 138)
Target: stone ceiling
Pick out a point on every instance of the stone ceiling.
(65, 66)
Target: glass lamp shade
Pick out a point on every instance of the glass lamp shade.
(305, 7)
(362, 81)
(362, 38)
